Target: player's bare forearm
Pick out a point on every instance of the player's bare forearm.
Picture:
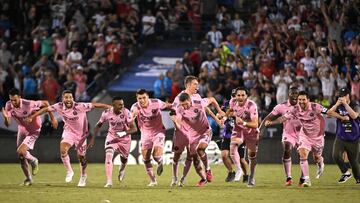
(352, 113)
(176, 122)
(101, 106)
(7, 118)
(216, 105)
(133, 129)
(276, 121)
(267, 118)
(334, 114)
(252, 124)
(38, 113)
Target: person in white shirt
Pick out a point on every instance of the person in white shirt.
(308, 62)
(214, 36)
(148, 21)
(282, 82)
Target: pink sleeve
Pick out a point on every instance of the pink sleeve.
(231, 104)
(85, 106)
(54, 107)
(205, 102)
(129, 117)
(175, 102)
(162, 105)
(276, 110)
(36, 104)
(320, 109)
(253, 112)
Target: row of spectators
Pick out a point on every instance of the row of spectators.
(313, 44)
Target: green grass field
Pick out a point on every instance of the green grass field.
(49, 186)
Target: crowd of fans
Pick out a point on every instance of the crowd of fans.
(313, 44)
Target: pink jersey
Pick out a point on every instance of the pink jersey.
(117, 123)
(313, 123)
(291, 126)
(74, 118)
(194, 122)
(247, 113)
(149, 119)
(27, 107)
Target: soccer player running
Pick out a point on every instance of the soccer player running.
(312, 132)
(149, 120)
(224, 145)
(291, 129)
(191, 119)
(28, 133)
(118, 139)
(181, 140)
(245, 130)
(347, 136)
(75, 131)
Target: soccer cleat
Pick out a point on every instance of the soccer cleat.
(245, 178)
(27, 182)
(202, 183)
(108, 185)
(251, 182)
(181, 182)
(357, 181)
(153, 183)
(230, 177)
(159, 169)
(289, 181)
(82, 181)
(69, 176)
(320, 171)
(173, 182)
(209, 175)
(121, 175)
(238, 175)
(344, 178)
(306, 183)
(34, 166)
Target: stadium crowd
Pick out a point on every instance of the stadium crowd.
(313, 44)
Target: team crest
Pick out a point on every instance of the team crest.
(74, 113)
(196, 110)
(122, 116)
(154, 111)
(312, 114)
(25, 112)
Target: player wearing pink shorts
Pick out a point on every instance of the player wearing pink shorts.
(149, 120)
(291, 129)
(191, 120)
(245, 130)
(312, 132)
(75, 131)
(181, 140)
(28, 133)
(118, 139)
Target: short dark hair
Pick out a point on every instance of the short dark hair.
(117, 98)
(14, 92)
(188, 79)
(304, 93)
(141, 91)
(241, 89)
(183, 97)
(67, 92)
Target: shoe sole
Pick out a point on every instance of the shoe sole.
(345, 180)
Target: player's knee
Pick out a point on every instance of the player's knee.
(21, 152)
(123, 160)
(147, 161)
(200, 151)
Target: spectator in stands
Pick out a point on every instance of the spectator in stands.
(50, 87)
(159, 88)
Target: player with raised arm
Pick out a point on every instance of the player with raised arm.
(312, 132)
(118, 139)
(191, 120)
(181, 140)
(291, 129)
(75, 131)
(28, 133)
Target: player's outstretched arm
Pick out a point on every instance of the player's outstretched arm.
(133, 128)
(38, 113)
(213, 101)
(101, 106)
(217, 120)
(7, 117)
(279, 120)
(267, 118)
(254, 123)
